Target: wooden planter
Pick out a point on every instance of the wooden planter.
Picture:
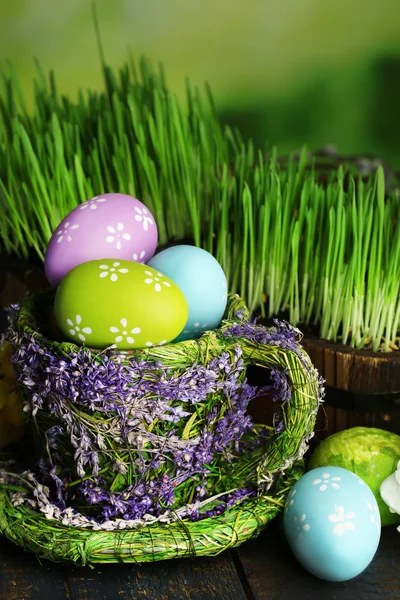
(362, 387)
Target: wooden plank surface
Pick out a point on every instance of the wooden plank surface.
(186, 579)
(22, 577)
(273, 573)
(262, 569)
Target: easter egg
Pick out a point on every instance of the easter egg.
(371, 453)
(203, 282)
(332, 523)
(107, 226)
(106, 302)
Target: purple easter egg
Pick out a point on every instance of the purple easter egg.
(107, 226)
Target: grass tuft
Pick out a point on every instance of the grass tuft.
(328, 253)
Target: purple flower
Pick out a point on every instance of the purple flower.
(280, 386)
(56, 480)
(240, 314)
(151, 498)
(282, 334)
(92, 493)
(224, 362)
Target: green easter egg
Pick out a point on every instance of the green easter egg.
(370, 453)
(118, 302)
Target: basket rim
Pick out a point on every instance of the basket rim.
(49, 539)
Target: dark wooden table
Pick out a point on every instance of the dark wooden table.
(262, 569)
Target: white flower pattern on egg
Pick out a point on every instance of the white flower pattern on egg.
(139, 257)
(142, 216)
(290, 500)
(375, 516)
(301, 525)
(64, 232)
(77, 330)
(342, 520)
(92, 204)
(150, 344)
(325, 481)
(157, 280)
(360, 481)
(106, 270)
(117, 235)
(124, 333)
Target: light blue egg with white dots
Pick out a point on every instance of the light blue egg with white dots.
(203, 282)
(332, 523)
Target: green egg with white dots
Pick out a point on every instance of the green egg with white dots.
(109, 302)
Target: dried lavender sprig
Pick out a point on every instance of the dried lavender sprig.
(37, 496)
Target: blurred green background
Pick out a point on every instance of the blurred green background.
(286, 71)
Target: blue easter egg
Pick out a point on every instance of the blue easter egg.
(332, 523)
(203, 282)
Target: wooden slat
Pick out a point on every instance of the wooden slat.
(359, 371)
(344, 366)
(341, 419)
(330, 366)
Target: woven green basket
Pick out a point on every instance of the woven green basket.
(129, 429)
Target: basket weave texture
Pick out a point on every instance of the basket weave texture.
(151, 454)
